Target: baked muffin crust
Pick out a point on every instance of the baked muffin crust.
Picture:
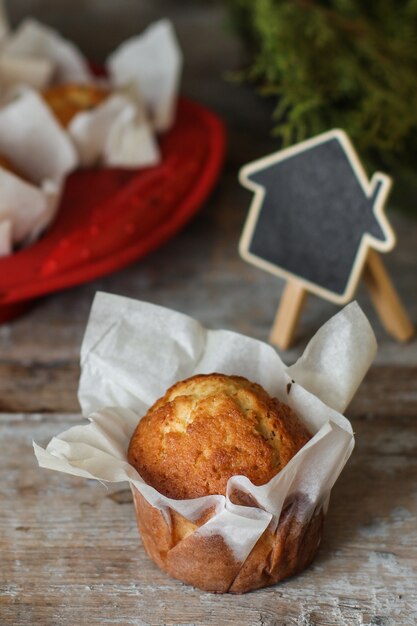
(210, 427)
(68, 100)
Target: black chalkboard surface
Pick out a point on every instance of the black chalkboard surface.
(315, 214)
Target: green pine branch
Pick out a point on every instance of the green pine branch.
(337, 63)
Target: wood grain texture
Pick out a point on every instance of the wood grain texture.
(69, 549)
(39, 387)
(387, 391)
(71, 554)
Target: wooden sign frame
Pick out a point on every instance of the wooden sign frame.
(367, 262)
(367, 241)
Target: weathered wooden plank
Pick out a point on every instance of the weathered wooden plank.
(70, 551)
(387, 391)
(199, 272)
(39, 387)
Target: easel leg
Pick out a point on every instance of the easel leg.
(385, 298)
(288, 314)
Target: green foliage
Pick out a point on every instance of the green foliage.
(337, 63)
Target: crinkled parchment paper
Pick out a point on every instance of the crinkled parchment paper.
(42, 152)
(133, 351)
(143, 81)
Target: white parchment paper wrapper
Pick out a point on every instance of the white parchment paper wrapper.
(133, 351)
(143, 84)
(5, 237)
(120, 132)
(35, 41)
(152, 62)
(34, 142)
(116, 133)
(20, 69)
(14, 71)
(144, 74)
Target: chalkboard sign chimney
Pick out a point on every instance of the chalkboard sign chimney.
(315, 220)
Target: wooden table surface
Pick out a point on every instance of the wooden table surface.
(69, 549)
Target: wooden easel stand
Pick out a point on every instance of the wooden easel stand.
(381, 290)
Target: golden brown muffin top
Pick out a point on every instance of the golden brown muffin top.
(68, 100)
(210, 427)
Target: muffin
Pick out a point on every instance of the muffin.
(210, 427)
(203, 431)
(66, 101)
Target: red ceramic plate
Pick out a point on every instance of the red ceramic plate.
(109, 218)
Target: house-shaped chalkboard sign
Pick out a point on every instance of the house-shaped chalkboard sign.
(315, 215)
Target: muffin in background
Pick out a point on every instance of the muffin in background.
(67, 100)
